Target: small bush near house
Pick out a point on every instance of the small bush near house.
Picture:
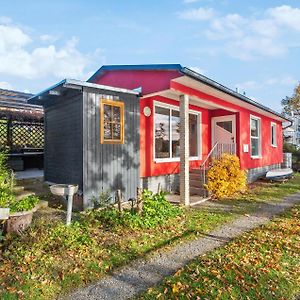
(7, 197)
(6, 179)
(225, 177)
(25, 204)
(156, 211)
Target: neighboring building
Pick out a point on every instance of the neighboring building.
(182, 117)
(291, 133)
(21, 130)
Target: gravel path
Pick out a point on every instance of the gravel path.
(142, 274)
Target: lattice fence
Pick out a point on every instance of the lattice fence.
(18, 135)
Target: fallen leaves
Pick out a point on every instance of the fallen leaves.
(262, 264)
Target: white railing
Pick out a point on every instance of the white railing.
(216, 152)
(223, 148)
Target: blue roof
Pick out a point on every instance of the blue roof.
(147, 67)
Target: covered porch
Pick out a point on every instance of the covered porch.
(221, 130)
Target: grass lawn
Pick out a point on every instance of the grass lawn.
(262, 264)
(50, 259)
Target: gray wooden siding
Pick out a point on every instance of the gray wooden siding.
(63, 140)
(108, 167)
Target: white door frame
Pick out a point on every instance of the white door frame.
(223, 118)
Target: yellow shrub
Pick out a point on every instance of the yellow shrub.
(225, 177)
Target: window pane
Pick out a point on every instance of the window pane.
(162, 132)
(107, 131)
(116, 131)
(175, 122)
(227, 125)
(193, 128)
(254, 147)
(254, 127)
(116, 114)
(107, 113)
(273, 135)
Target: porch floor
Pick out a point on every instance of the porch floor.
(194, 200)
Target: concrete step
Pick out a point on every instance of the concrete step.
(198, 170)
(194, 176)
(200, 191)
(195, 171)
(24, 194)
(18, 189)
(43, 204)
(196, 183)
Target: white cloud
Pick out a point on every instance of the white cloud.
(21, 56)
(197, 14)
(48, 38)
(270, 33)
(286, 15)
(226, 27)
(286, 80)
(197, 70)
(5, 85)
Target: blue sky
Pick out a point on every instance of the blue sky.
(252, 45)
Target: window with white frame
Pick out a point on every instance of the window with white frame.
(273, 135)
(255, 133)
(166, 133)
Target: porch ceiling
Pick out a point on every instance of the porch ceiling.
(202, 87)
(175, 95)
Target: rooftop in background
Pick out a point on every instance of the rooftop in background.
(14, 104)
(9, 95)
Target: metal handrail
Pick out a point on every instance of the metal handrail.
(219, 152)
(209, 154)
(202, 167)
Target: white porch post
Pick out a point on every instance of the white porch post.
(184, 150)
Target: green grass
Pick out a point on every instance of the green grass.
(262, 264)
(49, 259)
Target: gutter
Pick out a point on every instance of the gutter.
(222, 88)
(291, 124)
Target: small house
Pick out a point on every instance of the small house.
(105, 136)
(186, 118)
(92, 137)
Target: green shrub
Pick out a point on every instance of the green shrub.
(6, 198)
(6, 178)
(103, 200)
(25, 204)
(156, 211)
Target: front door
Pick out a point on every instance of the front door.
(223, 130)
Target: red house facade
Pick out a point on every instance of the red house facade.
(185, 116)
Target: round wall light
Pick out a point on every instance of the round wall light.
(147, 111)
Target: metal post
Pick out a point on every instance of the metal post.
(119, 200)
(69, 209)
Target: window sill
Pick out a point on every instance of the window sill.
(274, 146)
(177, 159)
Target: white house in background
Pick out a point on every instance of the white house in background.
(291, 134)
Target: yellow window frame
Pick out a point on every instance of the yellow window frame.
(112, 104)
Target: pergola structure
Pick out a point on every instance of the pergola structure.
(21, 129)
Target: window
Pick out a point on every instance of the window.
(255, 128)
(166, 132)
(112, 122)
(273, 135)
